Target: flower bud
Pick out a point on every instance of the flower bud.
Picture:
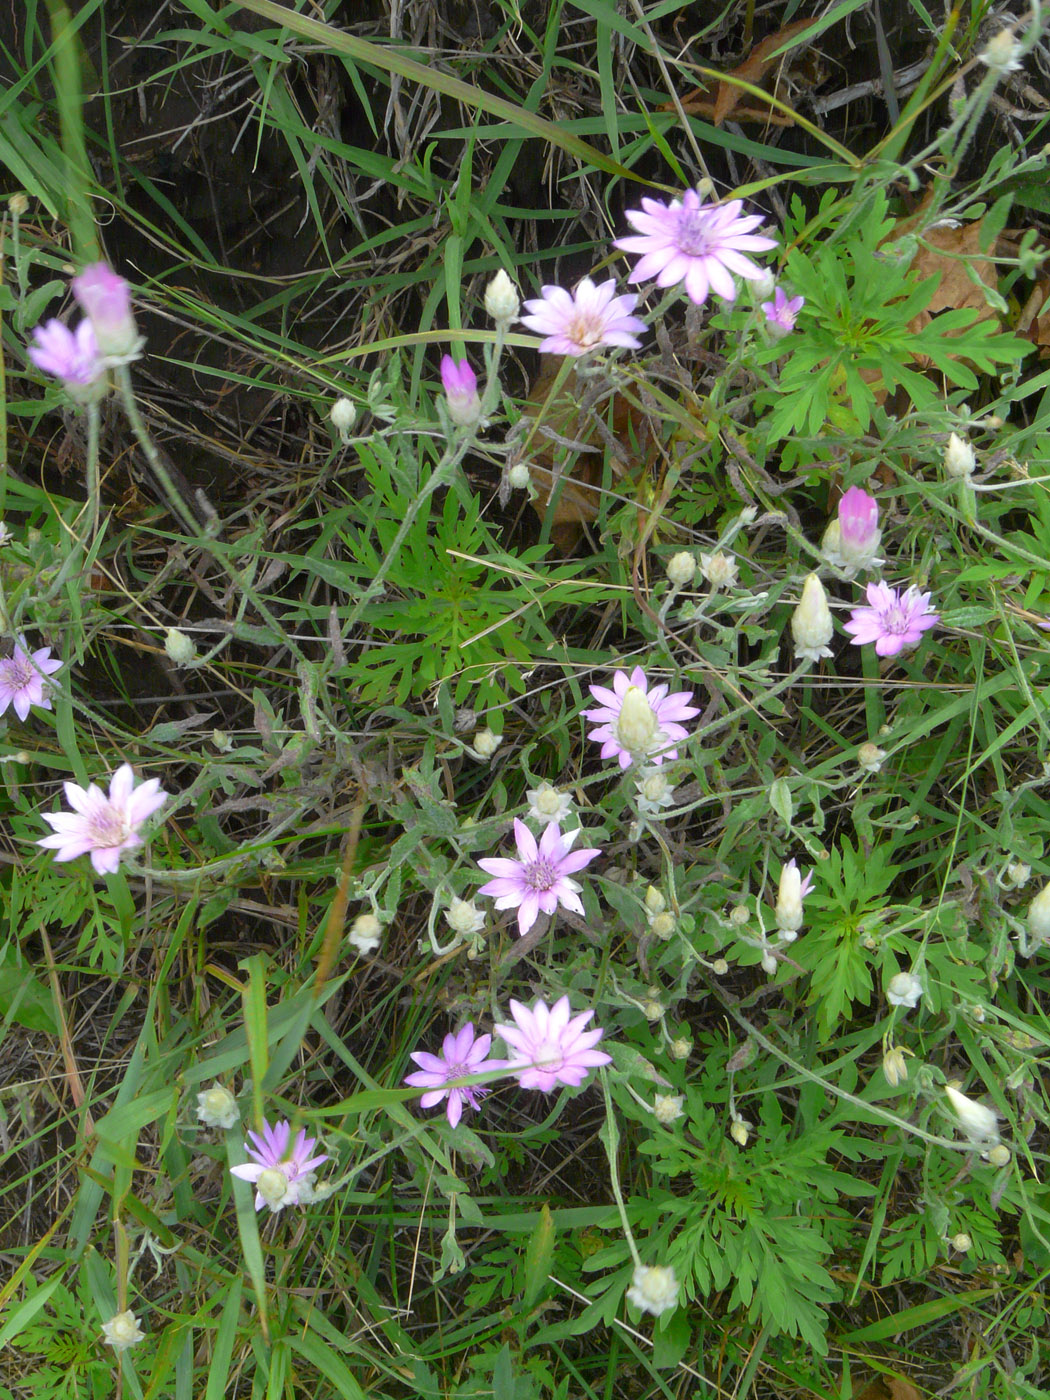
(904, 989)
(719, 967)
(652, 1009)
(636, 724)
(486, 743)
(1039, 919)
(740, 916)
(105, 299)
(501, 299)
(740, 1130)
(365, 933)
(461, 391)
(894, 1066)
(959, 458)
(122, 1331)
(763, 286)
(653, 1290)
(977, 1120)
(870, 757)
(680, 568)
(18, 205)
(343, 416)
(667, 1108)
(519, 477)
(719, 569)
(998, 1155)
(654, 900)
(272, 1186)
(654, 791)
(769, 962)
(851, 541)
(462, 918)
(663, 925)
(790, 894)
(1018, 872)
(962, 1243)
(1002, 53)
(811, 624)
(180, 649)
(547, 804)
(217, 1108)
(681, 1048)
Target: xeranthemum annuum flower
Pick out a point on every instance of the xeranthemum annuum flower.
(100, 825)
(282, 1171)
(573, 323)
(699, 244)
(638, 723)
(461, 1055)
(539, 878)
(550, 1046)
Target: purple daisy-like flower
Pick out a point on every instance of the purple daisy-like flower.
(782, 312)
(72, 356)
(550, 1046)
(638, 723)
(282, 1171)
(461, 1054)
(104, 826)
(894, 620)
(699, 244)
(461, 391)
(539, 878)
(574, 322)
(23, 679)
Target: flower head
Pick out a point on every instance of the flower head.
(539, 878)
(904, 989)
(72, 356)
(463, 918)
(23, 679)
(343, 416)
(811, 624)
(105, 298)
(100, 825)
(695, 243)
(638, 723)
(653, 1289)
(573, 323)
(550, 1046)
(461, 391)
(1003, 53)
(547, 804)
(960, 460)
(782, 312)
(1039, 919)
(894, 619)
(279, 1168)
(122, 1331)
(217, 1108)
(461, 1055)
(851, 541)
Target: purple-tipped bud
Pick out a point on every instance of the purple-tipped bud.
(461, 391)
(105, 299)
(852, 541)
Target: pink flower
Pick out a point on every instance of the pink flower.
(23, 679)
(105, 299)
(461, 391)
(72, 356)
(101, 825)
(782, 311)
(550, 1046)
(636, 723)
(895, 619)
(538, 879)
(281, 1171)
(573, 323)
(695, 243)
(461, 1055)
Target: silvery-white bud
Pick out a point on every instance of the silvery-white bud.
(486, 743)
(811, 624)
(680, 568)
(180, 649)
(959, 458)
(979, 1122)
(719, 569)
(501, 299)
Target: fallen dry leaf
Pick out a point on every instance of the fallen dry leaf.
(573, 475)
(888, 1388)
(730, 100)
